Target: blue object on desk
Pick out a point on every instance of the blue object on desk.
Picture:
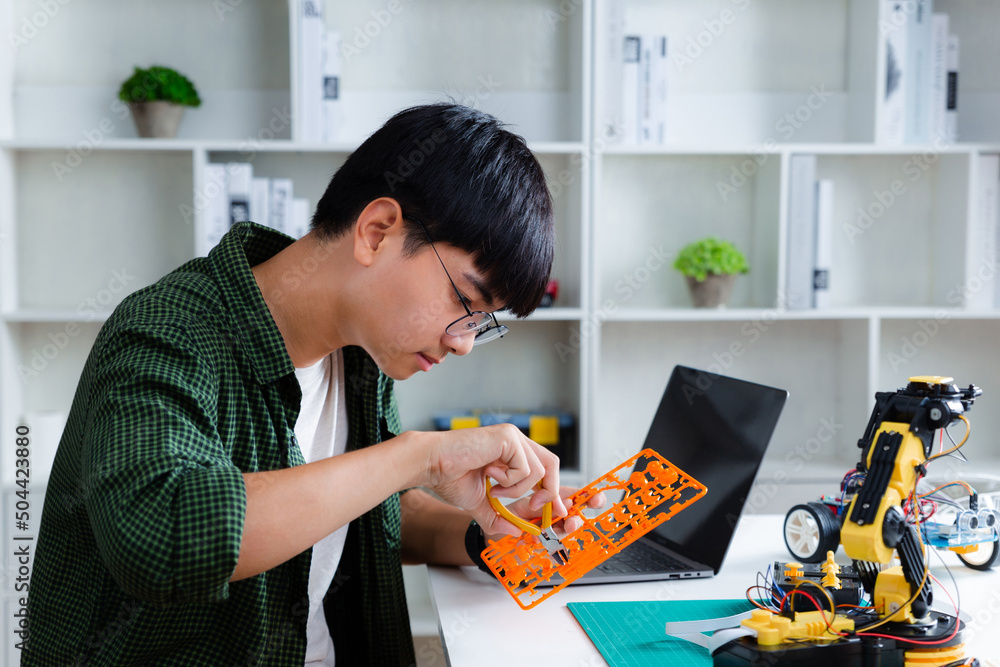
(633, 633)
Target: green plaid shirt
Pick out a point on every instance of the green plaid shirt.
(187, 387)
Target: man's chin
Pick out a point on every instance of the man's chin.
(398, 375)
(394, 371)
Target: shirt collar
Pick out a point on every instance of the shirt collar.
(245, 245)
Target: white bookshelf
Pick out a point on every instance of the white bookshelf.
(68, 239)
(620, 210)
(118, 207)
(539, 67)
(891, 285)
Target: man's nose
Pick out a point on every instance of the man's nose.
(460, 345)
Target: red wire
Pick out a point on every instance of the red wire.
(913, 641)
(933, 505)
(951, 599)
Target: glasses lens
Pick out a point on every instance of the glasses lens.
(475, 322)
(490, 334)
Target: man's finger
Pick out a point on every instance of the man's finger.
(597, 501)
(512, 466)
(494, 524)
(550, 487)
(572, 524)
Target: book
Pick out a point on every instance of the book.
(310, 46)
(981, 273)
(801, 232)
(332, 106)
(951, 100)
(299, 218)
(652, 101)
(281, 204)
(644, 90)
(213, 200)
(824, 243)
(890, 124)
(612, 120)
(631, 47)
(918, 71)
(260, 200)
(238, 188)
(939, 77)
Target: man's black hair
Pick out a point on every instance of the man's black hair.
(472, 183)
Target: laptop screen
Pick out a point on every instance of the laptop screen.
(716, 429)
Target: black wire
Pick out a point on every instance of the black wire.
(823, 592)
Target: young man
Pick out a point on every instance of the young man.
(240, 411)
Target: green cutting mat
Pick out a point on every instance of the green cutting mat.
(632, 633)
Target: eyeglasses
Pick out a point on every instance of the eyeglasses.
(484, 324)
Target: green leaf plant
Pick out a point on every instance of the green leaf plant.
(159, 83)
(710, 255)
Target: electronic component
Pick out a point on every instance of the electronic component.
(851, 651)
(815, 616)
(847, 591)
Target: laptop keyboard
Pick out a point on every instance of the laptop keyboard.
(641, 557)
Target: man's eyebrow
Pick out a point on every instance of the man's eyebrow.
(480, 286)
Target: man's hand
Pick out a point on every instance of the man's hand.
(525, 508)
(461, 460)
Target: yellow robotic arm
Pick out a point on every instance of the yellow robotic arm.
(812, 614)
(895, 449)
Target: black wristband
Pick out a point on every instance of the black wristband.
(475, 542)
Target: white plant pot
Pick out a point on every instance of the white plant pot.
(157, 119)
(712, 292)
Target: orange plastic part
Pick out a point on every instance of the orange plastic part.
(525, 568)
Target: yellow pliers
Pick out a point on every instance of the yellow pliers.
(544, 533)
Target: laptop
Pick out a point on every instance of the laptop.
(716, 429)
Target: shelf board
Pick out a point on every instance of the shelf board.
(541, 147)
(726, 314)
(900, 313)
(241, 145)
(694, 149)
(880, 149)
(105, 145)
(34, 316)
(769, 148)
(544, 315)
(743, 314)
(231, 145)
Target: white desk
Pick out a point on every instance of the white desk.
(481, 625)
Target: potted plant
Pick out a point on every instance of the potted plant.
(157, 97)
(710, 266)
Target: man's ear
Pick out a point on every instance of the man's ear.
(380, 219)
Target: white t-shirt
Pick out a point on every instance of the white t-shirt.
(321, 430)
